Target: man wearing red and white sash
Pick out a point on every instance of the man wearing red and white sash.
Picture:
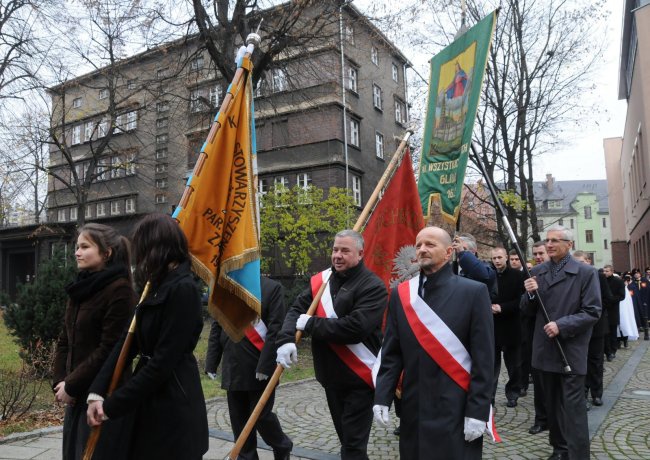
(439, 331)
(346, 337)
(247, 366)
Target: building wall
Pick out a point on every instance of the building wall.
(619, 235)
(592, 233)
(635, 151)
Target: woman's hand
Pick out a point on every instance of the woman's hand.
(95, 414)
(61, 396)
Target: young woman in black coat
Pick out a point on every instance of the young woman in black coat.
(101, 302)
(165, 391)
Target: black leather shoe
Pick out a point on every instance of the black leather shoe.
(396, 432)
(536, 429)
(559, 456)
(610, 358)
(511, 403)
(597, 401)
(284, 454)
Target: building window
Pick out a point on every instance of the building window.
(161, 183)
(162, 73)
(101, 209)
(161, 198)
(279, 80)
(88, 213)
(161, 153)
(76, 102)
(395, 72)
(400, 111)
(130, 164)
(303, 180)
(349, 33)
(162, 139)
(60, 215)
(374, 55)
(101, 171)
(280, 185)
(131, 84)
(162, 122)
(540, 224)
(103, 128)
(571, 223)
(161, 167)
(560, 222)
(353, 78)
(587, 212)
(103, 93)
(262, 187)
(196, 103)
(73, 214)
(589, 236)
(80, 168)
(354, 132)
(196, 63)
(129, 207)
(131, 120)
(115, 208)
(604, 222)
(356, 190)
(605, 244)
(76, 135)
(216, 94)
(162, 106)
(379, 145)
(376, 96)
(117, 168)
(88, 130)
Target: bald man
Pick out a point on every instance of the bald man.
(439, 332)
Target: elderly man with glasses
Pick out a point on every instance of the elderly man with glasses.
(571, 294)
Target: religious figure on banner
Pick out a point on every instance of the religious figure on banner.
(452, 102)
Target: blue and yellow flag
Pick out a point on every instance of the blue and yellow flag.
(218, 210)
(454, 93)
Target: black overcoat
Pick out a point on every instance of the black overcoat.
(617, 287)
(242, 360)
(165, 391)
(572, 300)
(433, 405)
(507, 324)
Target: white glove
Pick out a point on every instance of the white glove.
(302, 322)
(287, 354)
(381, 415)
(474, 429)
(260, 376)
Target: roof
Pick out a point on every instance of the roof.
(567, 191)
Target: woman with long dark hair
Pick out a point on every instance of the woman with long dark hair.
(101, 302)
(165, 391)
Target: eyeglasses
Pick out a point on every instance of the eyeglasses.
(554, 240)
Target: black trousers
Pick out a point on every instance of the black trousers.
(240, 407)
(595, 366)
(215, 351)
(539, 400)
(527, 327)
(351, 411)
(512, 360)
(567, 414)
(611, 340)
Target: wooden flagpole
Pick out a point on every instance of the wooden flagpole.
(117, 374)
(361, 221)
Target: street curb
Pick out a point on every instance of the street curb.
(30, 434)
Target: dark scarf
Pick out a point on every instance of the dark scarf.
(88, 283)
(556, 267)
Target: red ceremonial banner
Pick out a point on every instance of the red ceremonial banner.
(395, 222)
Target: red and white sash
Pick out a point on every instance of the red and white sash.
(439, 341)
(256, 333)
(356, 356)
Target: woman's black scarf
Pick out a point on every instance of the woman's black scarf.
(88, 283)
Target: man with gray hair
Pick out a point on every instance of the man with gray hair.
(346, 337)
(571, 294)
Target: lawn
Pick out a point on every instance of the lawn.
(46, 413)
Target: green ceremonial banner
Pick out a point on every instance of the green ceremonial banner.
(454, 92)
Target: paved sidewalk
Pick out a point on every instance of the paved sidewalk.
(619, 429)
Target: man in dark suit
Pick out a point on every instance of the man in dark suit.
(507, 327)
(617, 288)
(571, 295)
(640, 290)
(246, 367)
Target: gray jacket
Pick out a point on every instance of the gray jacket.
(572, 300)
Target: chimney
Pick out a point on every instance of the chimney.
(549, 182)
